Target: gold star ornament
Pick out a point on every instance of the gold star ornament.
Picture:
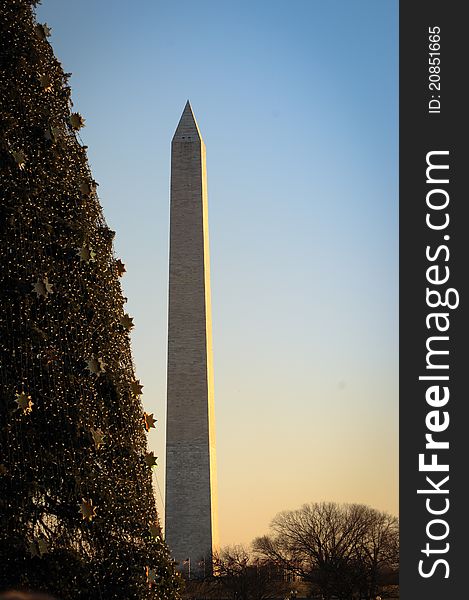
(88, 511)
(149, 421)
(98, 438)
(120, 268)
(150, 459)
(85, 188)
(151, 576)
(86, 253)
(52, 134)
(95, 365)
(24, 403)
(20, 158)
(154, 530)
(43, 31)
(136, 388)
(43, 547)
(127, 322)
(42, 287)
(46, 82)
(76, 121)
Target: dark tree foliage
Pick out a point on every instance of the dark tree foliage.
(77, 513)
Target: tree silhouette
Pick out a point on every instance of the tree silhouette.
(243, 577)
(77, 513)
(343, 550)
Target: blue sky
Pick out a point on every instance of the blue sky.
(297, 104)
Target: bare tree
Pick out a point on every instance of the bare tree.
(378, 553)
(246, 578)
(340, 550)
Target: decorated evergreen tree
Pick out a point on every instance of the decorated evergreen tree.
(77, 511)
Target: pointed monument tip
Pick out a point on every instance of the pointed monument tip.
(187, 129)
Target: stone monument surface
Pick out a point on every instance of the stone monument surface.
(191, 527)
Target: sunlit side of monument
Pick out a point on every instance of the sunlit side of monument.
(191, 526)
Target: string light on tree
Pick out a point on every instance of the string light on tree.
(76, 492)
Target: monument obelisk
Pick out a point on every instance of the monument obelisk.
(191, 523)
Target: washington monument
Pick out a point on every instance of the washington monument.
(191, 527)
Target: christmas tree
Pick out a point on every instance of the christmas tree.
(77, 512)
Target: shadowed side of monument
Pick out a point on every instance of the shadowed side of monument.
(191, 526)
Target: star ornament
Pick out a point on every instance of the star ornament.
(46, 82)
(56, 133)
(127, 322)
(86, 254)
(76, 121)
(20, 158)
(154, 530)
(95, 365)
(24, 403)
(98, 438)
(149, 421)
(43, 31)
(85, 188)
(120, 268)
(33, 549)
(151, 576)
(150, 459)
(43, 547)
(52, 134)
(88, 511)
(136, 388)
(42, 287)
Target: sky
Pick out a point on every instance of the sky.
(297, 104)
